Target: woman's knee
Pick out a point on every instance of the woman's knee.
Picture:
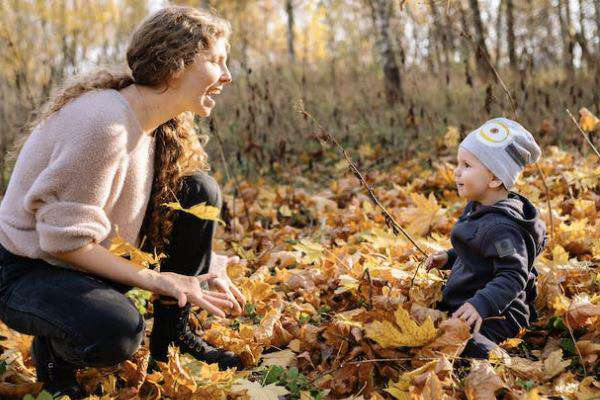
(201, 187)
(117, 343)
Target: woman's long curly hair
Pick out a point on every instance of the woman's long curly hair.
(160, 49)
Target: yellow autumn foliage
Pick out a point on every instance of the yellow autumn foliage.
(406, 332)
(588, 121)
(201, 210)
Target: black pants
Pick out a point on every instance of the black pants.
(490, 334)
(88, 320)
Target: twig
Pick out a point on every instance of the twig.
(552, 232)
(566, 320)
(327, 137)
(587, 139)
(499, 318)
(412, 281)
(496, 73)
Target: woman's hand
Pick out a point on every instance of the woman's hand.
(222, 283)
(187, 288)
(436, 260)
(469, 314)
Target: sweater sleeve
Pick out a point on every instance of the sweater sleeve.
(505, 247)
(68, 197)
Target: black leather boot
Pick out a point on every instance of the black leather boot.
(58, 376)
(171, 326)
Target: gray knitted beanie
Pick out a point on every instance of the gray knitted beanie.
(504, 147)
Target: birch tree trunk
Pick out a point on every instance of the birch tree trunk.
(510, 35)
(565, 31)
(381, 12)
(481, 52)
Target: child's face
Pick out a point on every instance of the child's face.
(474, 180)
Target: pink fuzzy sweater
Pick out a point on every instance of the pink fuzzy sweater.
(84, 170)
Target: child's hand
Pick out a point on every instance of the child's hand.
(436, 260)
(470, 315)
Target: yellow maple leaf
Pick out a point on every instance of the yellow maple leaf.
(121, 248)
(255, 391)
(588, 121)
(406, 333)
(400, 388)
(425, 214)
(201, 210)
(313, 251)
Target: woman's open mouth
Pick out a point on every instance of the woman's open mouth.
(213, 92)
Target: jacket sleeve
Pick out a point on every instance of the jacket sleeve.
(451, 258)
(68, 197)
(505, 247)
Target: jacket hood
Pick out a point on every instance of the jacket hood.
(520, 210)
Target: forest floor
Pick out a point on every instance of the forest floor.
(340, 307)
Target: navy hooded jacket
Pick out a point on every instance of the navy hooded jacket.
(492, 260)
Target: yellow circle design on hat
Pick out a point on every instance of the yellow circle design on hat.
(493, 133)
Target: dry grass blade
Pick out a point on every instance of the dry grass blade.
(587, 139)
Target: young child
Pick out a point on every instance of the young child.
(495, 240)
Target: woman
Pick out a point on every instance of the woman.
(106, 153)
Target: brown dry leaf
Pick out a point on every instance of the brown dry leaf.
(134, 370)
(539, 370)
(454, 334)
(15, 340)
(583, 314)
(482, 382)
(17, 380)
(554, 364)
(178, 383)
(589, 389)
(264, 333)
(433, 389)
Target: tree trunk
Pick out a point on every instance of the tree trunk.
(597, 8)
(381, 12)
(289, 9)
(482, 53)
(465, 45)
(510, 36)
(597, 77)
(498, 54)
(565, 30)
(442, 38)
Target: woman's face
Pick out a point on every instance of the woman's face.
(205, 78)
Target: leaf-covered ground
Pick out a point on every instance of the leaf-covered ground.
(337, 309)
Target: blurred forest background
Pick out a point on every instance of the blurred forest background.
(379, 74)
